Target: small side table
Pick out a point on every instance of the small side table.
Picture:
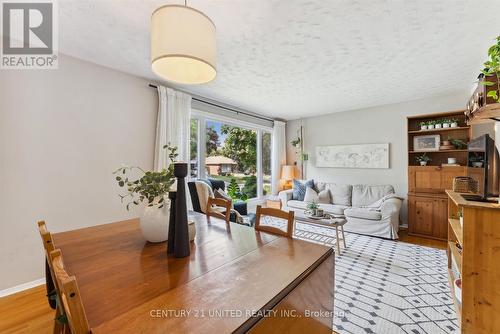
(273, 202)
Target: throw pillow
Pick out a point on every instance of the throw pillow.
(323, 197)
(311, 195)
(219, 193)
(299, 189)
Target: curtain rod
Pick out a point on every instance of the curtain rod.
(226, 108)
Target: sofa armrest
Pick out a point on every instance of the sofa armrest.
(285, 196)
(391, 206)
(390, 212)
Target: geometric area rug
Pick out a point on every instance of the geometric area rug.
(387, 287)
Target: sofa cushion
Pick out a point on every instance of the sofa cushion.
(362, 214)
(340, 193)
(297, 204)
(299, 189)
(334, 209)
(313, 196)
(328, 208)
(363, 195)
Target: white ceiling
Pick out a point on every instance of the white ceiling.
(297, 58)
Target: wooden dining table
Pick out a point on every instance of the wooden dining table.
(236, 280)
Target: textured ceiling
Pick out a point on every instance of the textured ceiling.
(297, 58)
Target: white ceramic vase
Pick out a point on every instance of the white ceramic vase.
(154, 222)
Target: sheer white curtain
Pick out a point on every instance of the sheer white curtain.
(278, 155)
(172, 125)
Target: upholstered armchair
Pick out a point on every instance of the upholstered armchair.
(202, 191)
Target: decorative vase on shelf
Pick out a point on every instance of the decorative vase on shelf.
(423, 163)
(154, 222)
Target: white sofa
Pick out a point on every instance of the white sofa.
(351, 201)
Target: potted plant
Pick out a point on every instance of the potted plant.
(439, 124)
(151, 188)
(430, 125)
(423, 125)
(491, 72)
(454, 123)
(458, 143)
(423, 159)
(476, 160)
(312, 208)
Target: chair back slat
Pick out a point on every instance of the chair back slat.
(70, 296)
(48, 243)
(221, 203)
(272, 212)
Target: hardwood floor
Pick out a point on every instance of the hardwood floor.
(404, 237)
(28, 312)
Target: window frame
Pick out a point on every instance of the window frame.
(202, 118)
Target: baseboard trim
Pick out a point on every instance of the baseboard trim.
(22, 287)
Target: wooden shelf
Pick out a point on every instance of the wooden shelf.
(486, 114)
(441, 151)
(439, 130)
(476, 264)
(456, 255)
(457, 230)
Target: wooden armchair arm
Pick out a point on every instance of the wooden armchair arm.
(220, 202)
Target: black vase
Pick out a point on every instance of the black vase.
(181, 231)
(172, 195)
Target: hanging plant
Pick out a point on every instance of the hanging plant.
(297, 144)
(492, 70)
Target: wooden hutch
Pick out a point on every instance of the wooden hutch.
(427, 200)
(474, 257)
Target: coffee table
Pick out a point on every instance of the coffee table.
(334, 222)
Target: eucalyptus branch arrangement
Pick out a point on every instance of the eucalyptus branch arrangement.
(492, 69)
(151, 186)
(312, 206)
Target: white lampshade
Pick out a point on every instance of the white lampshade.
(183, 45)
(287, 172)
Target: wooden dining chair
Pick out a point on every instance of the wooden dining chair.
(70, 296)
(52, 287)
(219, 208)
(276, 213)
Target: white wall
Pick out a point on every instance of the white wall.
(62, 134)
(383, 124)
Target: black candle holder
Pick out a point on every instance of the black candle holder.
(178, 232)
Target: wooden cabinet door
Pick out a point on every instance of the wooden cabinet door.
(421, 215)
(427, 216)
(425, 179)
(449, 173)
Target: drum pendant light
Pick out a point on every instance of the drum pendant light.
(183, 45)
